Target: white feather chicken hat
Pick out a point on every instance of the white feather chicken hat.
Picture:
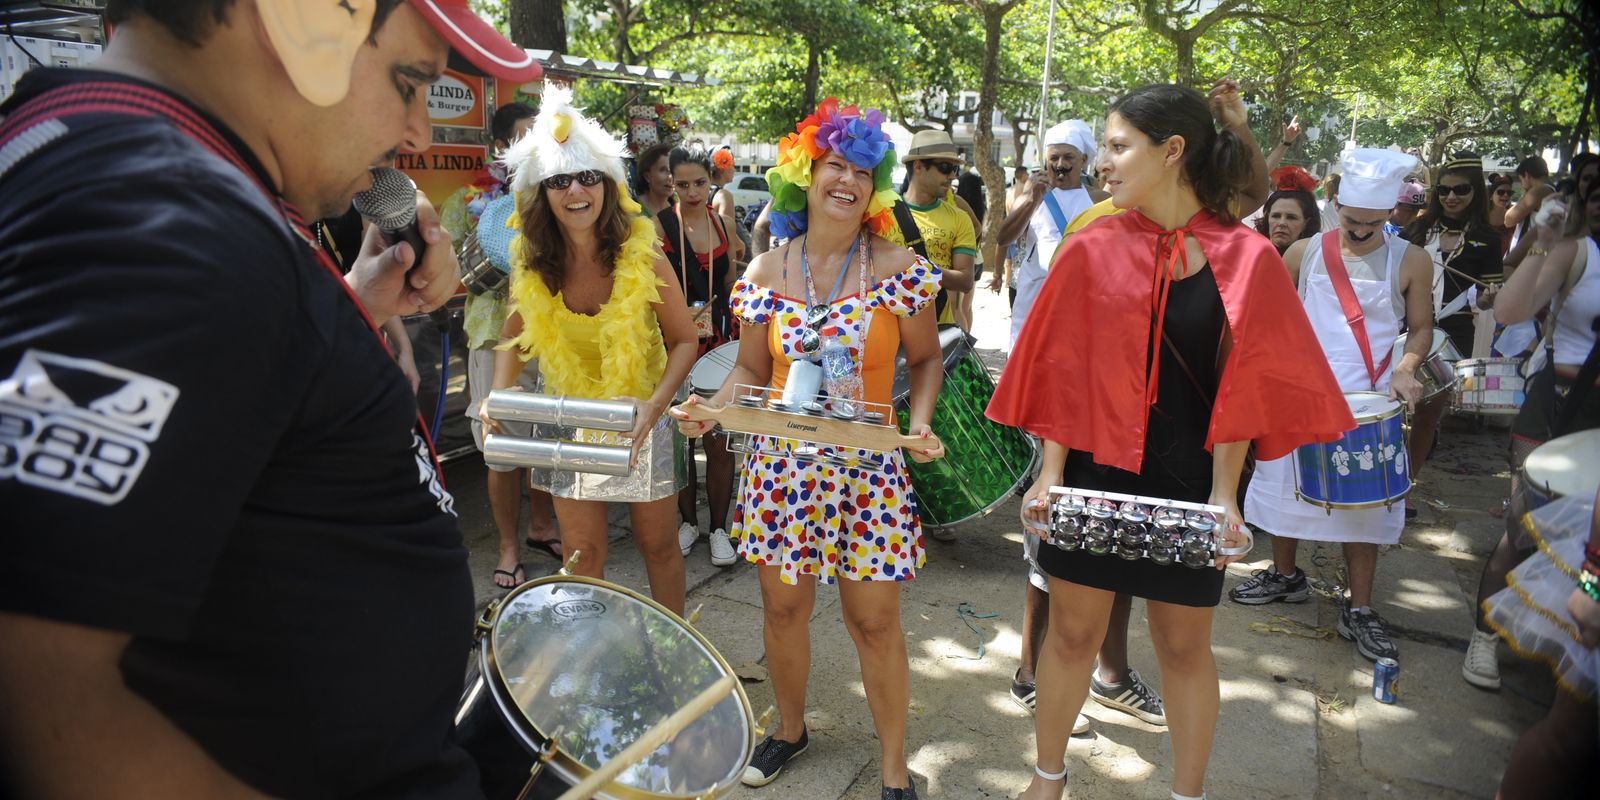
(562, 142)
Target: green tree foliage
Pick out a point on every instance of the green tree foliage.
(1505, 77)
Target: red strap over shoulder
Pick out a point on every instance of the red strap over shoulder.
(1353, 315)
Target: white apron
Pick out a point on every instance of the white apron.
(1270, 503)
(1039, 249)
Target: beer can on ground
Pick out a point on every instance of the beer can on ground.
(1385, 680)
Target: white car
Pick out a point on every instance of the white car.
(748, 191)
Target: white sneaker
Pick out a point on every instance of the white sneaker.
(1482, 667)
(1080, 725)
(722, 552)
(687, 533)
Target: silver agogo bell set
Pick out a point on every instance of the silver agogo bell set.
(553, 454)
(1132, 527)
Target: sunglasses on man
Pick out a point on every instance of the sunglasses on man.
(946, 167)
(1458, 189)
(588, 177)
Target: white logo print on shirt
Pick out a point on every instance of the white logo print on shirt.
(79, 427)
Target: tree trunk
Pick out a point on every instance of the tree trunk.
(994, 180)
(538, 24)
(808, 102)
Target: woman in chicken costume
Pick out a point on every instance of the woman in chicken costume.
(598, 306)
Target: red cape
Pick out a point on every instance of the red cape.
(1090, 327)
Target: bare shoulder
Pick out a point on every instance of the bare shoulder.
(1296, 252)
(890, 259)
(766, 269)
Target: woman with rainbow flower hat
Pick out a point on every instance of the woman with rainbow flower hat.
(838, 300)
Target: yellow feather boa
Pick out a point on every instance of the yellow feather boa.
(632, 354)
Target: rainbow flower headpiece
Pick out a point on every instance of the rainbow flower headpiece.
(852, 133)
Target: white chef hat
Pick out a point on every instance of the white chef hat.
(1073, 132)
(1372, 178)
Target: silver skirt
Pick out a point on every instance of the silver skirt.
(658, 473)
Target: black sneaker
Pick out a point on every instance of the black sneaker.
(1267, 585)
(908, 793)
(770, 757)
(1365, 628)
(1023, 694)
(1131, 696)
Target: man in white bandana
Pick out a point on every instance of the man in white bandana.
(1380, 285)
(1055, 195)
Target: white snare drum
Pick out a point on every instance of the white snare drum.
(713, 368)
(1490, 385)
(1567, 466)
(1437, 372)
(572, 671)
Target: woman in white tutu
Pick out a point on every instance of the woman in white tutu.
(1543, 616)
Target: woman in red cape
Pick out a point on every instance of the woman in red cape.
(1165, 341)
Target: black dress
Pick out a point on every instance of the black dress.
(1176, 464)
(707, 279)
(1479, 256)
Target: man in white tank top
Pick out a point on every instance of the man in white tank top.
(1358, 306)
(1055, 196)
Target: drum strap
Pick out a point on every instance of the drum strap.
(913, 236)
(134, 100)
(1353, 315)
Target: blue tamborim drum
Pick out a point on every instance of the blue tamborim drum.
(1366, 468)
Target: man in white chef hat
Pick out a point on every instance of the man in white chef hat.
(1056, 195)
(1361, 287)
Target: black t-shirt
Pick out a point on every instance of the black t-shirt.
(202, 444)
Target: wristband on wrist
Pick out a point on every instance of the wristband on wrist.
(1538, 251)
(1590, 584)
(1591, 553)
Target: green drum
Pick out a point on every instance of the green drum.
(984, 461)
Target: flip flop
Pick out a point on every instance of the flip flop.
(548, 546)
(513, 575)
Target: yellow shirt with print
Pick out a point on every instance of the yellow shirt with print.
(946, 230)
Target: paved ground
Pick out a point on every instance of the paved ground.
(1297, 720)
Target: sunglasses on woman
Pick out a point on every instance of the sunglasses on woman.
(1458, 189)
(588, 177)
(1503, 193)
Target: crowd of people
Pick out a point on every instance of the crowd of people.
(1218, 316)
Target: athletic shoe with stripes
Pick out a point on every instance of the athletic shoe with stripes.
(1131, 696)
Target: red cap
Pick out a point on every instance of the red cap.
(477, 41)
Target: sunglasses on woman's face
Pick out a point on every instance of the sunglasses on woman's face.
(1458, 189)
(588, 177)
(1503, 193)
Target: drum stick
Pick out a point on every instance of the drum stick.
(662, 733)
(1458, 273)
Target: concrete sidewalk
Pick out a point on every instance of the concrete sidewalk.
(1297, 718)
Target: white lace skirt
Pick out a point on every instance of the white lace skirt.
(1531, 613)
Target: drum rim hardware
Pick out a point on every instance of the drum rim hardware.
(1397, 408)
(544, 748)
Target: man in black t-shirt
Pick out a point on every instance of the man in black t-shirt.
(231, 566)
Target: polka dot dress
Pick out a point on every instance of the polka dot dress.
(819, 519)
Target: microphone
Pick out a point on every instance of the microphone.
(391, 204)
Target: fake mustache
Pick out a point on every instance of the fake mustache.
(1358, 238)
